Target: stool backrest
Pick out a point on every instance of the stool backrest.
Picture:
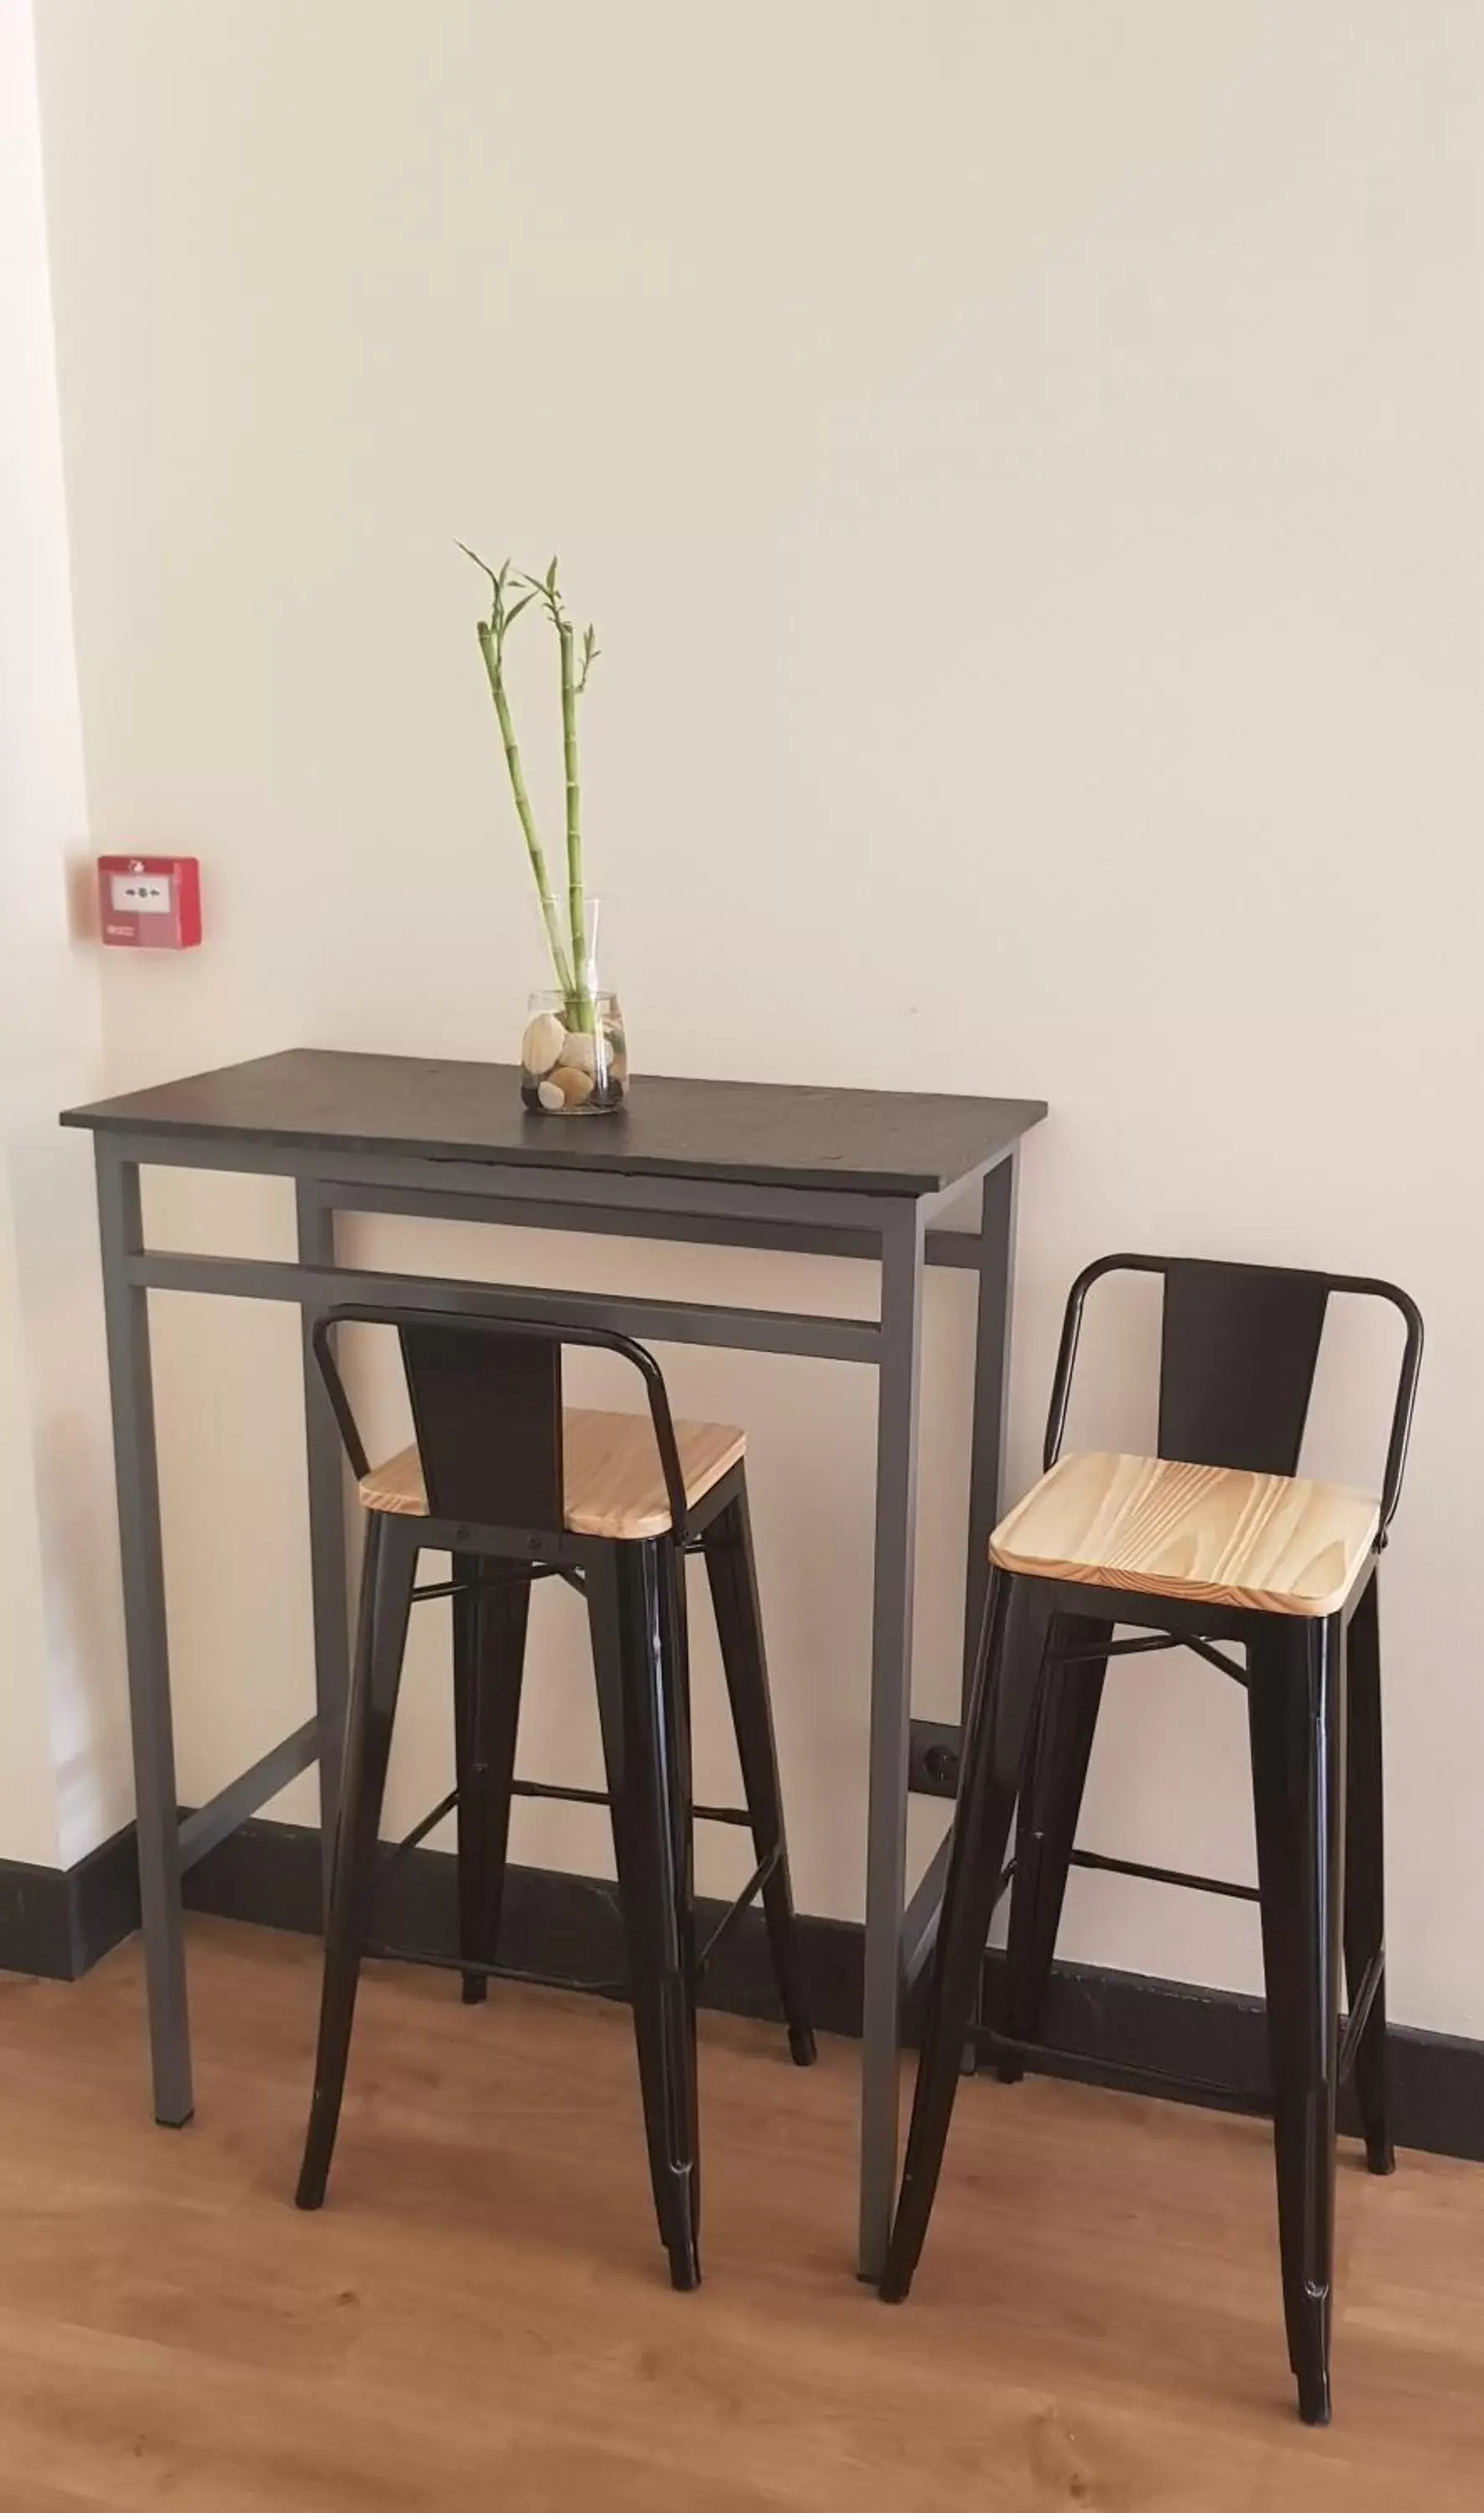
(486, 1394)
(1238, 1348)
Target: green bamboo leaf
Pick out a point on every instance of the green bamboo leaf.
(483, 565)
(485, 570)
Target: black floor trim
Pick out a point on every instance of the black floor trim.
(36, 1920)
(57, 1924)
(551, 1922)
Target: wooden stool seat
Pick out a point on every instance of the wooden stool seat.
(610, 1473)
(1277, 1544)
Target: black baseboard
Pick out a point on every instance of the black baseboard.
(36, 1920)
(57, 1924)
(553, 1923)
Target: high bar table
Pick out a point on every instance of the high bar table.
(861, 1173)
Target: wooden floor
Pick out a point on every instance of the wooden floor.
(479, 2317)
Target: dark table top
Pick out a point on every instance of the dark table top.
(757, 1134)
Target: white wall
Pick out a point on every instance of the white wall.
(61, 1764)
(1024, 464)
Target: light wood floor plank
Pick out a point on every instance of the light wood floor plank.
(481, 2314)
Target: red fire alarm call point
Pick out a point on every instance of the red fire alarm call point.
(149, 902)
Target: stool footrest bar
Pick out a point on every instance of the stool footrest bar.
(1216, 1658)
(419, 1833)
(1094, 1858)
(520, 1578)
(599, 1797)
(495, 1970)
(1355, 2021)
(1141, 1648)
(545, 1789)
(729, 1917)
(1158, 2081)
(1144, 1646)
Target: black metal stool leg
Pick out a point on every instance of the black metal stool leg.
(388, 1571)
(1365, 1925)
(1005, 1695)
(1045, 1833)
(1295, 1711)
(678, 1799)
(730, 1567)
(636, 1618)
(491, 1613)
(604, 1608)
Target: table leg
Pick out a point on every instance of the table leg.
(991, 1413)
(896, 1479)
(126, 1313)
(992, 1368)
(326, 1459)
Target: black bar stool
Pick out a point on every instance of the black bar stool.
(516, 1487)
(1215, 1540)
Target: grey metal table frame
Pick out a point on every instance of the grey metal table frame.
(899, 1233)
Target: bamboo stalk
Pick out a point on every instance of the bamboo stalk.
(577, 915)
(489, 648)
(570, 955)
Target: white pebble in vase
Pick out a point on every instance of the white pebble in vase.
(544, 1043)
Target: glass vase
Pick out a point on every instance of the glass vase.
(574, 1058)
